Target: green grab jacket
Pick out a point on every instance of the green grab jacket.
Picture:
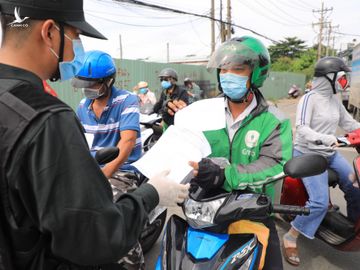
(259, 149)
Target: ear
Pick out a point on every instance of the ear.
(48, 32)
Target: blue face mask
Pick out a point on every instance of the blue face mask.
(69, 69)
(143, 91)
(234, 86)
(165, 84)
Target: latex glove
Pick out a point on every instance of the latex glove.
(170, 192)
(209, 175)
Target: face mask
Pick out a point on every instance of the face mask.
(69, 69)
(341, 83)
(165, 84)
(91, 93)
(143, 91)
(234, 86)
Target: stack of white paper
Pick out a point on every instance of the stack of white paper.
(184, 141)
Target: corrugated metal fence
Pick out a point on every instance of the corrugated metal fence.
(130, 72)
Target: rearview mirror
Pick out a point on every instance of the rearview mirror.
(105, 155)
(305, 165)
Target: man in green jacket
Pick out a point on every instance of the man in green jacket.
(257, 139)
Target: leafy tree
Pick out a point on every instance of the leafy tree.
(291, 47)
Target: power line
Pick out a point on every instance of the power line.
(347, 34)
(258, 11)
(158, 7)
(136, 25)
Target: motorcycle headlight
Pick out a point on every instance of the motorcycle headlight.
(201, 214)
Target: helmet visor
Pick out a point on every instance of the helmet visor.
(80, 83)
(232, 55)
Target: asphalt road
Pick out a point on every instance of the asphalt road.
(314, 254)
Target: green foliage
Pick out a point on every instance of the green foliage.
(292, 55)
(291, 47)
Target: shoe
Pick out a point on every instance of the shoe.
(291, 255)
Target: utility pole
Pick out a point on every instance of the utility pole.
(120, 43)
(328, 39)
(167, 52)
(321, 23)
(222, 26)
(228, 30)
(212, 26)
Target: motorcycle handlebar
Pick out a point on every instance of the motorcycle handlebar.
(290, 209)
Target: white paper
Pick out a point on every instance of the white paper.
(206, 114)
(89, 138)
(173, 151)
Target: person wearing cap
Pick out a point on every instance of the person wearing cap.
(57, 209)
(193, 90)
(145, 94)
(170, 92)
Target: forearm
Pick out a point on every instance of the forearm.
(125, 146)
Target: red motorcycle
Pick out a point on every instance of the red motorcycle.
(336, 229)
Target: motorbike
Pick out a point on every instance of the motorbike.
(150, 125)
(336, 229)
(213, 237)
(129, 181)
(294, 91)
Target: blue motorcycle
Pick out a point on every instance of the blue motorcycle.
(203, 241)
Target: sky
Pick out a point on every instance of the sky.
(146, 32)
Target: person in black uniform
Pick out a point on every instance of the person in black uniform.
(57, 209)
(171, 92)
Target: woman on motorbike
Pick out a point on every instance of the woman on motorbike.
(257, 138)
(318, 115)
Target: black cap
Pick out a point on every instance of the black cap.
(70, 12)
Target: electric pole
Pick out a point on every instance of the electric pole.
(328, 39)
(321, 24)
(212, 26)
(228, 30)
(222, 26)
(167, 52)
(120, 43)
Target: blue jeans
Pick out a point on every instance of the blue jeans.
(318, 191)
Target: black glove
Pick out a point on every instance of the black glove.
(210, 175)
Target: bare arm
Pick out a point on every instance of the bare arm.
(126, 145)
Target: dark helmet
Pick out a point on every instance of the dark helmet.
(187, 80)
(168, 72)
(243, 50)
(69, 12)
(330, 64)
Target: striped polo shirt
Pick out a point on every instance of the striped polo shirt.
(121, 113)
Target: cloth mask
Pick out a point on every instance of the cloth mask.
(143, 91)
(165, 84)
(234, 86)
(341, 83)
(91, 93)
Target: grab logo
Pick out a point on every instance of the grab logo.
(252, 138)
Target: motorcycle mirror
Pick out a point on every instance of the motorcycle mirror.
(305, 165)
(105, 155)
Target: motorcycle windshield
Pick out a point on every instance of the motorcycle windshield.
(204, 245)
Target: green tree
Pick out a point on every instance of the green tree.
(291, 47)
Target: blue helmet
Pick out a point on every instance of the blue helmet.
(97, 65)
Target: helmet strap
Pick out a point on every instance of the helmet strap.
(247, 97)
(332, 82)
(56, 75)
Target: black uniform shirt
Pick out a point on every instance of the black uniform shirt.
(57, 190)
